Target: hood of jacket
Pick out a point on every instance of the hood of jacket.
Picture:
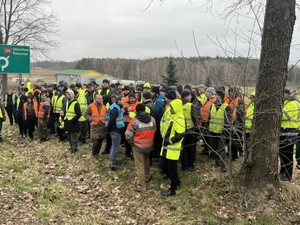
(177, 107)
(71, 92)
(143, 117)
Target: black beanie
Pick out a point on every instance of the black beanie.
(171, 94)
(185, 93)
(131, 95)
(140, 108)
(147, 95)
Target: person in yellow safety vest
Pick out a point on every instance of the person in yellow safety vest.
(219, 128)
(73, 113)
(2, 118)
(95, 114)
(29, 86)
(59, 102)
(81, 99)
(201, 93)
(172, 128)
(249, 117)
(10, 104)
(289, 130)
(188, 154)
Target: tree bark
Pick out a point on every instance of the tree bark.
(260, 169)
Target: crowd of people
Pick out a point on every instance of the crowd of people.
(155, 123)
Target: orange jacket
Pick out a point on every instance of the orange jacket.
(132, 109)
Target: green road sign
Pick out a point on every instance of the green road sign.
(14, 59)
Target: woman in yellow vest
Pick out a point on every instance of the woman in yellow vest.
(172, 127)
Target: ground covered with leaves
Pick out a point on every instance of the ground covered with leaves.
(43, 183)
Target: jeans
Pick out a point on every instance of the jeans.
(115, 144)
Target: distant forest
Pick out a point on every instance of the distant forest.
(194, 71)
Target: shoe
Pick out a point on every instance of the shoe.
(284, 177)
(169, 192)
(83, 142)
(114, 168)
(155, 160)
(223, 169)
(165, 177)
(73, 151)
(298, 166)
(127, 157)
(184, 169)
(191, 168)
(23, 136)
(150, 178)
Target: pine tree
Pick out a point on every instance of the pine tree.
(170, 78)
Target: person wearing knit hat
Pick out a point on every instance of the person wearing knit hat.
(201, 93)
(147, 87)
(187, 87)
(185, 93)
(141, 145)
(211, 90)
(73, 113)
(171, 95)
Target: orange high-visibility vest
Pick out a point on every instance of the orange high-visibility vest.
(35, 107)
(42, 111)
(205, 110)
(97, 115)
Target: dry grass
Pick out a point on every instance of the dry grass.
(45, 184)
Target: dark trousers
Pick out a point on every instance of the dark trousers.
(11, 115)
(30, 126)
(22, 125)
(97, 143)
(286, 160)
(169, 167)
(218, 143)
(73, 140)
(128, 147)
(82, 128)
(157, 145)
(188, 154)
(108, 143)
(52, 123)
(61, 134)
(237, 143)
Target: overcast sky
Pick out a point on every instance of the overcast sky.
(124, 29)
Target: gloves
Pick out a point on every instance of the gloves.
(167, 141)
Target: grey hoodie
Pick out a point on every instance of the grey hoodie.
(71, 92)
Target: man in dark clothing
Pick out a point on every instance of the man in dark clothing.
(149, 105)
(115, 126)
(10, 101)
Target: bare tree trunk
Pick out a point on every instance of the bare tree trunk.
(260, 170)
